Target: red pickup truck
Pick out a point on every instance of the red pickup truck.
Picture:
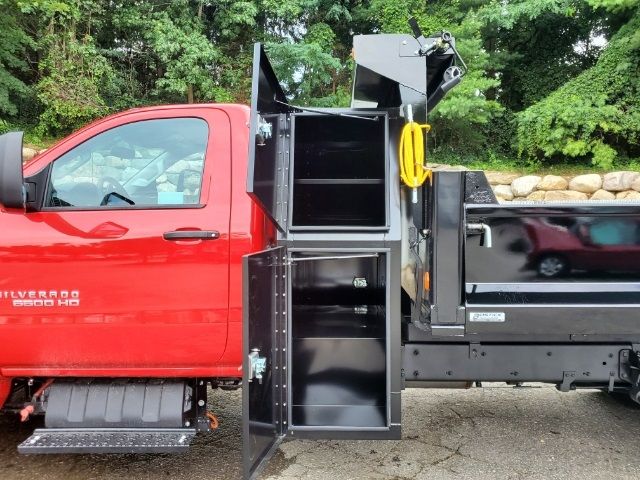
(128, 255)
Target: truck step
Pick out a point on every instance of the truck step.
(108, 440)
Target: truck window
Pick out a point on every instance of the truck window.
(147, 163)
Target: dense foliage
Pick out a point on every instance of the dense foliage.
(548, 81)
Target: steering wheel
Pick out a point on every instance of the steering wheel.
(108, 185)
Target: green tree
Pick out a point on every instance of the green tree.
(72, 71)
(13, 43)
(187, 57)
(597, 114)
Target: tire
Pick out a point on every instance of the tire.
(552, 266)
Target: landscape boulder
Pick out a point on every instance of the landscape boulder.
(552, 182)
(523, 186)
(501, 178)
(537, 196)
(28, 154)
(628, 195)
(603, 195)
(503, 192)
(589, 183)
(619, 181)
(564, 196)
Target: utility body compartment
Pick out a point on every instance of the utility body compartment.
(322, 349)
(338, 340)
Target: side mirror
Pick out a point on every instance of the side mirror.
(12, 194)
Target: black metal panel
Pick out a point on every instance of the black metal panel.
(446, 256)
(381, 69)
(11, 179)
(266, 91)
(561, 269)
(268, 159)
(534, 320)
(588, 247)
(477, 189)
(571, 269)
(264, 331)
(590, 364)
(390, 72)
(338, 372)
(555, 293)
(94, 404)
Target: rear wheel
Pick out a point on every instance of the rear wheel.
(551, 266)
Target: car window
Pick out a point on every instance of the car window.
(148, 163)
(615, 232)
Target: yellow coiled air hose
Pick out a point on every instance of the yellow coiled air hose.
(413, 170)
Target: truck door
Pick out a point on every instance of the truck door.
(127, 256)
(264, 372)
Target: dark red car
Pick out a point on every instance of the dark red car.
(592, 244)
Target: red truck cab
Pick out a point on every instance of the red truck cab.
(126, 261)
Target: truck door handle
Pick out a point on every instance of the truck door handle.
(191, 235)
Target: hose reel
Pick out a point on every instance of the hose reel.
(413, 169)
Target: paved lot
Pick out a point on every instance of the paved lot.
(489, 433)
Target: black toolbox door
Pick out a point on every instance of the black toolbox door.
(268, 151)
(264, 339)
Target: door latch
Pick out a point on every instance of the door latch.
(481, 229)
(264, 131)
(257, 365)
(360, 282)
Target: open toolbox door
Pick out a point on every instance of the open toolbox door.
(264, 343)
(268, 176)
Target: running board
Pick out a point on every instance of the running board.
(108, 440)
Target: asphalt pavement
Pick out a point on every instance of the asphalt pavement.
(496, 432)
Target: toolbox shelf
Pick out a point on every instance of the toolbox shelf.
(339, 205)
(354, 416)
(340, 181)
(328, 321)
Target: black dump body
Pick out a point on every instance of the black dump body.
(526, 291)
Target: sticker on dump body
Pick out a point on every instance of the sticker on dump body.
(495, 317)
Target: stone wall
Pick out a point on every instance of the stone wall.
(555, 188)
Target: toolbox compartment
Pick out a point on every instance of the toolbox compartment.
(339, 171)
(338, 352)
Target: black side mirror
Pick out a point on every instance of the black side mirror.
(12, 194)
